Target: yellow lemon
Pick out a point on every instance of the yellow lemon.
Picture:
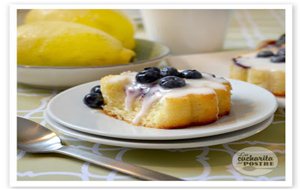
(57, 43)
(113, 22)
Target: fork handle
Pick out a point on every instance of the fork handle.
(130, 169)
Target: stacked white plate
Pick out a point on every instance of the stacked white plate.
(252, 111)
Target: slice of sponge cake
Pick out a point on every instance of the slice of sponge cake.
(191, 101)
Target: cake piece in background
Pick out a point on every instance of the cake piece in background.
(264, 67)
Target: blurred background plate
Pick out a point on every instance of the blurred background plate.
(148, 54)
(281, 102)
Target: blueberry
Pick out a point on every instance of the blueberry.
(93, 100)
(191, 74)
(265, 53)
(96, 89)
(147, 76)
(281, 51)
(171, 82)
(152, 68)
(281, 40)
(169, 71)
(278, 59)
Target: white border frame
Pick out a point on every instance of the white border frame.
(175, 184)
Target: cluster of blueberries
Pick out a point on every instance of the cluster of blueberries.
(278, 57)
(94, 99)
(167, 77)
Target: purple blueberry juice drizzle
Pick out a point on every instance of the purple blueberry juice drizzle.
(142, 91)
(235, 61)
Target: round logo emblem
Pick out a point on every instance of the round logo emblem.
(254, 161)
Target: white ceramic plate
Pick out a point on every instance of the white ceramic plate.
(172, 144)
(148, 54)
(250, 105)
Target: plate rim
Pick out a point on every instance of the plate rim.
(48, 110)
(182, 144)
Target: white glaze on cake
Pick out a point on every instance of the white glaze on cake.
(151, 93)
(251, 61)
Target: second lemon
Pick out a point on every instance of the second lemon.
(113, 22)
